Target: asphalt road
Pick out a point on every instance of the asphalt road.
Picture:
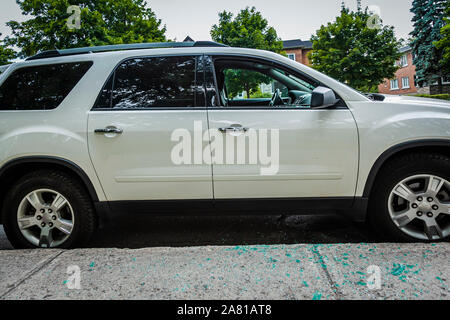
(139, 231)
(300, 257)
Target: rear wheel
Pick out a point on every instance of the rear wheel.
(48, 209)
(411, 199)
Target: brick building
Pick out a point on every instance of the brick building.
(298, 50)
(404, 79)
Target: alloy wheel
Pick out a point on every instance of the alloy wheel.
(45, 218)
(420, 207)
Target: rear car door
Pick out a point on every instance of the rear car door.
(131, 130)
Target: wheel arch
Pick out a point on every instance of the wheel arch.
(441, 146)
(14, 169)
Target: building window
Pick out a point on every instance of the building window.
(404, 61)
(291, 56)
(445, 80)
(405, 82)
(394, 84)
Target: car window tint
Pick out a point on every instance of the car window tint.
(154, 82)
(41, 87)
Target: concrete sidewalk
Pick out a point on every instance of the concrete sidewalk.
(303, 271)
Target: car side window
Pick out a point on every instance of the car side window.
(155, 82)
(252, 84)
(41, 87)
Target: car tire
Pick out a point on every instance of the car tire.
(48, 209)
(395, 211)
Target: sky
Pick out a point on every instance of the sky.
(292, 19)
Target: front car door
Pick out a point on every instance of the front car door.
(298, 152)
(145, 108)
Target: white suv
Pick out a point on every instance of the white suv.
(86, 133)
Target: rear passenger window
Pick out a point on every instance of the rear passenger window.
(152, 83)
(41, 87)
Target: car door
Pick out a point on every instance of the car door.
(144, 109)
(298, 152)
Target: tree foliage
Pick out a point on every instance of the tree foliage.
(352, 51)
(102, 22)
(239, 80)
(6, 54)
(428, 21)
(247, 30)
(444, 43)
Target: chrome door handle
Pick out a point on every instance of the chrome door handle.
(109, 130)
(233, 129)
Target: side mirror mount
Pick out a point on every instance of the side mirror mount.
(375, 96)
(323, 98)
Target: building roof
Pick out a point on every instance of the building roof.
(297, 43)
(405, 49)
(188, 39)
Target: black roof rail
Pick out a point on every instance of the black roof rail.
(118, 47)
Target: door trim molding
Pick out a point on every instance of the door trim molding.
(280, 177)
(190, 178)
(240, 206)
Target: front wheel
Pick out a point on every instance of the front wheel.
(48, 209)
(411, 199)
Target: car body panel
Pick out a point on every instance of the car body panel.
(59, 133)
(383, 125)
(137, 164)
(318, 154)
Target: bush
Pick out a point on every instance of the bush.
(435, 96)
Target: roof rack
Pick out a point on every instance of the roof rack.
(117, 47)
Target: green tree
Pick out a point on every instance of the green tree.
(247, 30)
(6, 54)
(428, 21)
(354, 51)
(444, 43)
(239, 80)
(102, 22)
